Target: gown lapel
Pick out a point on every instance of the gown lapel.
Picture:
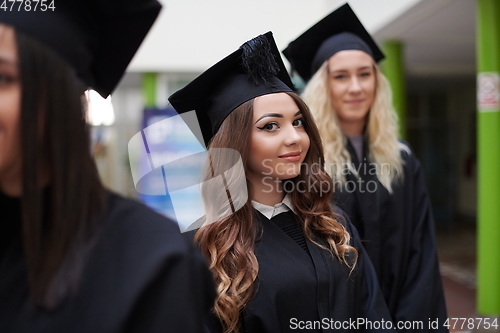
(367, 199)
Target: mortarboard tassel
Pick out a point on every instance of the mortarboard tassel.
(258, 60)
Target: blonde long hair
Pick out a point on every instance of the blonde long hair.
(229, 243)
(384, 148)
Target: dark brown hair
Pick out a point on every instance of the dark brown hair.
(58, 223)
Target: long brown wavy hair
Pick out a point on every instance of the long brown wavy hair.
(229, 243)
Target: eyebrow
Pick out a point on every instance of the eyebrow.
(276, 115)
(345, 70)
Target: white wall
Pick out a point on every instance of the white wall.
(192, 35)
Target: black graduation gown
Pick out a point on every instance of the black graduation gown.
(398, 233)
(142, 275)
(296, 288)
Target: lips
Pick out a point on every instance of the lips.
(355, 101)
(291, 157)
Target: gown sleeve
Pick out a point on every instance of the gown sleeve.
(374, 308)
(176, 299)
(140, 275)
(153, 276)
(422, 292)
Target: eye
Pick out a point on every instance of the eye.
(298, 122)
(365, 74)
(6, 79)
(270, 127)
(339, 77)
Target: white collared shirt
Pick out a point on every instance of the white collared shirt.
(271, 211)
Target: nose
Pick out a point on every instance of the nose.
(292, 136)
(354, 86)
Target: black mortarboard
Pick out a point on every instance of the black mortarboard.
(340, 30)
(98, 38)
(255, 69)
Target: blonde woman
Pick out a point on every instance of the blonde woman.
(379, 182)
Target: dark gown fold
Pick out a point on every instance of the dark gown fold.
(142, 275)
(397, 231)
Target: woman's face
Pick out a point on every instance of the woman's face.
(278, 142)
(10, 101)
(351, 78)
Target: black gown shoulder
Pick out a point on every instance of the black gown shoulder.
(142, 275)
(312, 291)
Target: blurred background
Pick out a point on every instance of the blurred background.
(442, 58)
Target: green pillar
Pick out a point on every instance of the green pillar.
(488, 64)
(149, 89)
(393, 68)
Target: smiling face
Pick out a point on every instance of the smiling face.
(351, 78)
(278, 141)
(10, 104)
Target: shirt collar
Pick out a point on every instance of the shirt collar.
(271, 211)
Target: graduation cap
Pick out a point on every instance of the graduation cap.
(340, 30)
(98, 38)
(255, 69)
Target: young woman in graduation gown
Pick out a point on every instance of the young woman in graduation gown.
(75, 257)
(379, 181)
(283, 260)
